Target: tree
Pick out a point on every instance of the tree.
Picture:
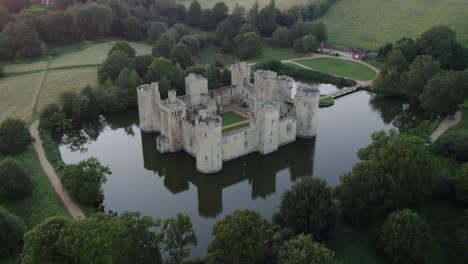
(246, 28)
(84, 180)
(167, 74)
(178, 237)
(280, 37)
(461, 237)
(143, 240)
(58, 28)
(384, 50)
(192, 43)
(164, 46)
(247, 45)
(129, 80)
(240, 238)
(113, 65)
(227, 46)
(440, 42)
(309, 208)
(404, 238)
(306, 44)
(14, 137)
(15, 179)
(266, 22)
(453, 144)
(156, 30)
(181, 54)
(96, 239)
(194, 14)
(133, 29)
(123, 47)
(444, 92)
(238, 16)
(142, 62)
(220, 11)
(420, 72)
(254, 13)
(303, 249)
(40, 243)
(208, 20)
(461, 185)
(23, 40)
(395, 61)
(407, 47)
(225, 30)
(2, 72)
(94, 21)
(15, 5)
(11, 234)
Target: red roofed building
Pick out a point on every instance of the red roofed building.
(357, 54)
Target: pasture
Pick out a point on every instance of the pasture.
(369, 24)
(30, 85)
(281, 4)
(342, 68)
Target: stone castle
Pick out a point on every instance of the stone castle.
(276, 109)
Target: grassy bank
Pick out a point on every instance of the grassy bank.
(338, 67)
(371, 23)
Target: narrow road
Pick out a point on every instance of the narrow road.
(71, 206)
(446, 124)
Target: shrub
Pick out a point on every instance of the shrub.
(453, 145)
(11, 234)
(404, 238)
(84, 180)
(309, 208)
(192, 43)
(142, 62)
(123, 47)
(15, 179)
(156, 30)
(14, 137)
(303, 249)
(240, 238)
(248, 45)
(114, 64)
(280, 37)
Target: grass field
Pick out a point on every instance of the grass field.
(326, 99)
(230, 118)
(35, 83)
(43, 202)
(281, 4)
(343, 68)
(272, 53)
(371, 23)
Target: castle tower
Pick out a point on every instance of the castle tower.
(306, 103)
(240, 74)
(208, 135)
(195, 86)
(172, 112)
(148, 107)
(267, 120)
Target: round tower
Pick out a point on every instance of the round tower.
(148, 107)
(306, 104)
(208, 134)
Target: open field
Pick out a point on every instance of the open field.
(17, 95)
(343, 68)
(60, 81)
(230, 118)
(43, 202)
(271, 53)
(281, 4)
(371, 23)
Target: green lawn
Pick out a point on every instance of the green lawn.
(343, 68)
(326, 99)
(369, 24)
(272, 53)
(227, 130)
(230, 118)
(43, 202)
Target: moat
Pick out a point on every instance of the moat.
(162, 185)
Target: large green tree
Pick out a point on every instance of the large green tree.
(280, 37)
(156, 30)
(15, 179)
(14, 137)
(309, 208)
(178, 237)
(194, 14)
(142, 62)
(461, 185)
(248, 45)
(221, 11)
(420, 72)
(453, 144)
(40, 243)
(303, 249)
(123, 47)
(12, 229)
(113, 65)
(225, 30)
(208, 20)
(240, 238)
(58, 28)
(84, 179)
(133, 29)
(266, 22)
(404, 238)
(94, 21)
(181, 54)
(22, 39)
(164, 45)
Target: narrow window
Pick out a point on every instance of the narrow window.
(206, 157)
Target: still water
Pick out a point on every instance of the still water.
(164, 185)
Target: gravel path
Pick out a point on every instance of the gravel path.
(71, 206)
(446, 124)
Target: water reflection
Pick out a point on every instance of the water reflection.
(260, 172)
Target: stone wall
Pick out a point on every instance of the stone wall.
(239, 143)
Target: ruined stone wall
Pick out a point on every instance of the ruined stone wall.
(240, 74)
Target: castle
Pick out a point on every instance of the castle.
(276, 110)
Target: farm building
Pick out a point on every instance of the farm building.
(357, 54)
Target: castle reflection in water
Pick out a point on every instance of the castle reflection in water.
(178, 170)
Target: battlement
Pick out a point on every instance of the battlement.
(207, 121)
(307, 90)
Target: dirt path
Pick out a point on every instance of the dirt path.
(446, 124)
(71, 206)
